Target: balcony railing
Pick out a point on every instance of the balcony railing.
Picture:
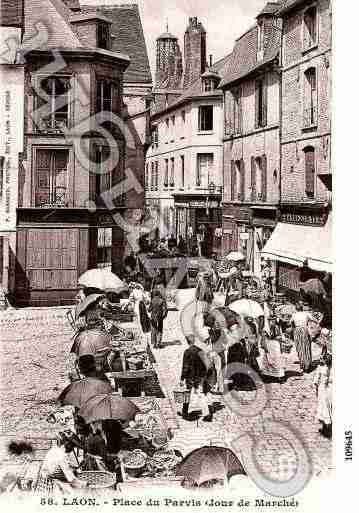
(310, 117)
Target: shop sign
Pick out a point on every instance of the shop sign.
(243, 216)
(228, 231)
(244, 236)
(203, 204)
(105, 220)
(304, 219)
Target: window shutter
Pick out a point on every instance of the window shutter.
(256, 123)
(242, 180)
(264, 102)
(253, 179)
(199, 119)
(264, 177)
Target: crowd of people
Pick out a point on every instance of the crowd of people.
(258, 339)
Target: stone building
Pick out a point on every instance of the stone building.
(301, 242)
(251, 146)
(184, 162)
(73, 185)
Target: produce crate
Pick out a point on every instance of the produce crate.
(98, 478)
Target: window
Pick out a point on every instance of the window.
(152, 176)
(241, 180)
(51, 177)
(205, 118)
(156, 175)
(54, 113)
(173, 119)
(183, 115)
(208, 85)
(310, 28)
(166, 173)
(102, 172)
(182, 171)
(260, 41)
(146, 177)
(172, 177)
(104, 245)
(104, 96)
(155, 136)
(237, 118)
(204, 167)
(233, 181)
(309, 158)
(167, 122)
(310, 98)
(103, 36)
(259, 178)
(261, 103)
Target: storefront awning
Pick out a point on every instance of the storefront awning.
(296, 244)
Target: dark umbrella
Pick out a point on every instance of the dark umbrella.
(209, 462)
(107, 407)
(91, 342)
(78, 392)
(90, 300)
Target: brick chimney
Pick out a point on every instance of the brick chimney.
(194, 52)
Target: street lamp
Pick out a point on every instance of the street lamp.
(212, 188)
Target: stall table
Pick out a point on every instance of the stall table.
(131, 382)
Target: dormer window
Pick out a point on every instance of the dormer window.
(310, 28)
(103, 36)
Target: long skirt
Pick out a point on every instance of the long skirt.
(304, 348)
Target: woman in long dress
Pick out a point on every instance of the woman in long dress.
(301, 337)
(323, 385)
(140, 299)
(272, 362)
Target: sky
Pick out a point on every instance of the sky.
(224, 20)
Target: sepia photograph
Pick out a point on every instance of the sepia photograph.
(166, 253)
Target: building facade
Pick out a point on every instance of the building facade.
(251, 147)
(73, 187)
(301, 245)
(184, 162)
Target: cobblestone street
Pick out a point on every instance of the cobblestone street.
(35, 361)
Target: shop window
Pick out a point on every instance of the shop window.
(310, 98)
(261, 103)
(103, 36)
(205, 118)
(104, 246)
(53, 104)
(172, 176)
(166, 173)
(204, 167)
(51, 177)
(309, 158)
(310, 28)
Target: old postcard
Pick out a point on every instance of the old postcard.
(166, 256)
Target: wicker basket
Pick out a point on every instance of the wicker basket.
(181, 396)
(98, 478)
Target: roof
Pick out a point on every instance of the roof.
(195, 90)
(270, 8)
(288, 5)
(88, 16)
(127, 37)
(72, 4)
(167, 35)
(244, 56)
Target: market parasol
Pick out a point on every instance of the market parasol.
(78, 392)
(209, 462)
(91, 342)
(101, 279)
(235, 256)
(107, 407)
(247, 308)
(313, 286)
